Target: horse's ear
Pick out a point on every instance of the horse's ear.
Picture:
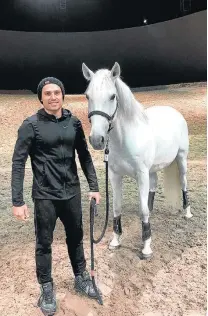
(115, 71)
(88, 74)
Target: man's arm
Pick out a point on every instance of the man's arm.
(85, 158)
(20, 155)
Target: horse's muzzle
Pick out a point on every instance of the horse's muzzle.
(97, 142)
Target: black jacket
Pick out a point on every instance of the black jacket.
(51, 145)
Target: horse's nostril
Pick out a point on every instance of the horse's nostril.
(96, 141)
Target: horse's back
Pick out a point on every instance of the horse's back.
(163, 111)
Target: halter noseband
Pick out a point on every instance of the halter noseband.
(108, 117)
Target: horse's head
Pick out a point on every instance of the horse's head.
(102, 102)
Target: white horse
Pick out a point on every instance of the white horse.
(141, 142)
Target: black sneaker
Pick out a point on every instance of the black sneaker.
(47, 300)
(84, 285)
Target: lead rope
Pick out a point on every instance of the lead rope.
(93, 213)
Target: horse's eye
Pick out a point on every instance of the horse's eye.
(87, 96)
(112, 97)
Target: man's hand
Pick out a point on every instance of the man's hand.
(21, 212)
(95, 195)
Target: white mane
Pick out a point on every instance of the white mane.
(130, 108)
(100, 78)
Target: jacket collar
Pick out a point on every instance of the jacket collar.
(65, 113)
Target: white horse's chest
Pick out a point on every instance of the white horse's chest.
(128, 157)
(121, 163)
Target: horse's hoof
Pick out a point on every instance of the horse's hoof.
(144, 256)
(111, 247)
(188, 212)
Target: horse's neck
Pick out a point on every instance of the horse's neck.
(129, 109)
(130, 116)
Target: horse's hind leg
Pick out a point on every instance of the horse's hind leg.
(152, 189)
(182, 166)
(116, 183)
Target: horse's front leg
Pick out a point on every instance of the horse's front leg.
(116, 183)
(143, 183)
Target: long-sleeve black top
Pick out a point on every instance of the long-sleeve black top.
(51, 144)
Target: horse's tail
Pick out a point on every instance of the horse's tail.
(172, 187)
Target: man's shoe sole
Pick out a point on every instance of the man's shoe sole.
(45, 311)
(80, 291)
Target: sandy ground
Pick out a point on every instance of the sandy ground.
(172, 283)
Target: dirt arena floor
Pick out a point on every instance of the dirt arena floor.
(172, 283)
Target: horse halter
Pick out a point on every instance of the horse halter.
(108, 117)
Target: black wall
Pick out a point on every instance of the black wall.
(88, 15)
(162, 53)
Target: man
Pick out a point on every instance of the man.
(50, 138)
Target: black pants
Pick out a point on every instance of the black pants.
(46, 214)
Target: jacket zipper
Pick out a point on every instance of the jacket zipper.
(62, 156)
